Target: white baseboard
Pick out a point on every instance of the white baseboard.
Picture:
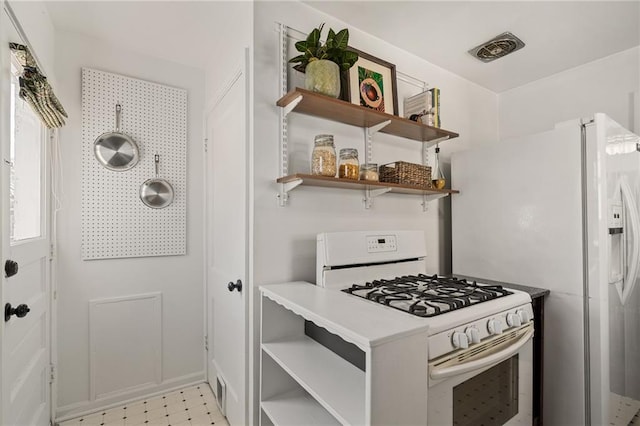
(77, 409)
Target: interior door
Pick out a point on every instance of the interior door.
(227, 247)
(25, 356)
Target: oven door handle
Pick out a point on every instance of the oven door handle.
(443, 373)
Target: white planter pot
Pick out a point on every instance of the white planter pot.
(323, 76)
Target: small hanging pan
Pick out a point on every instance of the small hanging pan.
(116, 150)
(156, 193)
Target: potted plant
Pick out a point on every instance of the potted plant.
(322, 63)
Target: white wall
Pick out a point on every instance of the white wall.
(36, 23)
(178, 278)
(605, 85)
(226, 55)
(285, 247)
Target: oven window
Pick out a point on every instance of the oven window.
(488, 399)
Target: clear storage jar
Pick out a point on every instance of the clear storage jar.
(369, 172)
(323, 156)
(349, 164)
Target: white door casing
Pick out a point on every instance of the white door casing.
(25, 342)
(227, 259)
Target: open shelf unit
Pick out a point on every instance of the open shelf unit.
(303, 382)
(317, 105)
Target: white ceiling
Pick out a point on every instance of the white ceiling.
(177, 31)
(558, 35)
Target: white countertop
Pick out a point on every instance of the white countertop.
(355, 320)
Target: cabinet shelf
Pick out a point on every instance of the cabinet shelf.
(297, 408)
(332, 182)
(311, 103)
(296, 355)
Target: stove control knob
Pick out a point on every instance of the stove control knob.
(459, 340)
(524, 316)
(494, 326)
(513, 320)
(473, 334)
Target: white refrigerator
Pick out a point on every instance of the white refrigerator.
(559, 210)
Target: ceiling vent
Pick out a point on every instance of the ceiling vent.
(497, 47)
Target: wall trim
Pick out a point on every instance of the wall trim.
(216, 99)
(77, 409)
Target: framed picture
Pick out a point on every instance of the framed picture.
(371, 83)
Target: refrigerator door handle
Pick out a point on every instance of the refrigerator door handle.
(625, 288)
(617, 235)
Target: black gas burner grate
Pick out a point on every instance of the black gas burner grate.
(427, 296)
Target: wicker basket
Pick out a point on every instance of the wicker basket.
(406, 174)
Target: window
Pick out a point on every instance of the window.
(26, 182)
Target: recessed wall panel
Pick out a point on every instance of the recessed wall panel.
(125, 343)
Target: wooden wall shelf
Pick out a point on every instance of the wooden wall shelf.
(322, 106)
(332, 182)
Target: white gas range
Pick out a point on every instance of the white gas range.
(479, 339)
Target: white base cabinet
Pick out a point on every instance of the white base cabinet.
(304, 383)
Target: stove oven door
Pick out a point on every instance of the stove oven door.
(488, 385)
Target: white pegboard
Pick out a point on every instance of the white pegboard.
(115, 222)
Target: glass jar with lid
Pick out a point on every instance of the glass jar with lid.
(369, 172)
(349, 164)
(323, 157)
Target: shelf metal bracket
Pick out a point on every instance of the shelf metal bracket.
(368, 133)
(370, 194)
(377, 127)
(435, 141)
(283, 194)
(283, 154)
(291, 106)
(427, 198)
(425, 162)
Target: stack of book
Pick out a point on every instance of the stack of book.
(424, 107)
(435, 107)
(419, 104)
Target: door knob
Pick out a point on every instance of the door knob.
(21, 311)
(10, 268)
(238, 286)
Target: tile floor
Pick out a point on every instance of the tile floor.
(623, 411)
(194, 406)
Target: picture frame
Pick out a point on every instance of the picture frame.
(371, 83)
